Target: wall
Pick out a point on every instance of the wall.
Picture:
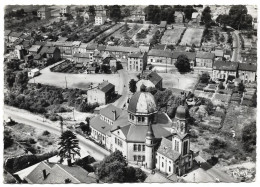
(200, 62)
(96, 96)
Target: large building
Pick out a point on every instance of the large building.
(149, 79)
(100, 18)
(142, 132)
(137, 61)
(44, 13)
(223, 71)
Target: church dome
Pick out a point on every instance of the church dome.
(142, 103)
(181, 112)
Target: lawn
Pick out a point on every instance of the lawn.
(192, 36)
(172, 36)
(177, 80)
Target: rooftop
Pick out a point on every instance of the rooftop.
(222, 65)
(205, 55)
(105, 86)
(122, 49)
(247, 67)
(160, 53)
(152, 76)
(190, 55)
(166, 149)
(110, 111)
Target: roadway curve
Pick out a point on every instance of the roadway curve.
(236, 46)
(25, 117)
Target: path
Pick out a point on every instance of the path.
(236, 47)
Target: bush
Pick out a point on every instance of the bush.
(45, 133)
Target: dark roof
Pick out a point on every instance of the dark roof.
(190, 55)
(166, 149)
(160, 53)
(101, 47)
(181, 112)
(221, 65)
(35, 48)
(91, 46)
(81, 55)
(26, 44)
(247, 67)
(105, 86)
(15, 34)
(18, 41)
(122, 49)
(108, 112)
(205, 55)
(160, 46)
(152, 76)
(136, 55)
(100, 125)
(163, 24)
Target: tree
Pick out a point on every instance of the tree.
(204, 78)
(80, 20)
(182, 64)
(206, 16)
(188, 10)
(8, 140)
(221, 86)
(68, 146)
(115, 12)
(217, 144)
(132, 85)
(126, 12)
(92, 10)
(241, 87)
(249, 137)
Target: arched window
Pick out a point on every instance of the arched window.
(139, 158)
(135, 147)
(139, 147)
(143, 147)
(134, 157)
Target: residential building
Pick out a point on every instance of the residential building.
(140, 133)
(223, 71)
(249, 56)
(228, 55)
(34, 49)
(101, 94)
(218, 53)
(7, 33)
(178, 17)
(247, 72)
(82, 58)
(159, 57)
(100, 18)
(47, 52)
(204, 59)
(65, 10)
(50, 173)
(44, 13)
(14, 36)
(163, 25)
(120, 52)
(149, 79)
(137, 61)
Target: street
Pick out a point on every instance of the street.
(36, 121)
(236, 46)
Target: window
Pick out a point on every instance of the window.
(139, 147)
(185, 148)
(116, 140)
(143, 147)
(135, 147)
(169, 168)
(139, 158)
(162, 165)
(139, 119)
(134, 157)
(176, 145)
(142, 119)
(143, 158)
(156, 161)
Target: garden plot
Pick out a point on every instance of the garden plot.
(135, 29)
(172, 36)
(153, 29)
(192, 36)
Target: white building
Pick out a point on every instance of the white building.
(100, 19)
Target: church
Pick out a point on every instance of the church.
(146, 136)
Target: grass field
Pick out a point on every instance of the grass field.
(192, 36)
(172, 36)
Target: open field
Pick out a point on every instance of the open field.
(177, 80)
(192, 36)
(172, 36)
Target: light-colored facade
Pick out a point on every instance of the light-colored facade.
(137, 62)
(44, 13)
(100, 19)
(223, 70)
(65, 10)
(204, 59)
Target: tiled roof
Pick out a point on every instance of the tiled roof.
(105, 86)
(205, 55)
(166, 149)
(7, 32)
(100, 125)
(81, 55)
(159, 53)
(122, 49)
(35, 48)
(160, 46)
(108, 112)
(101, 48)
(190, 55)
(92, 46)
(136, 55)
(222, 65)
(152, 76)
(247, 67)
(15, 34)
(178, 13)
(76, 43)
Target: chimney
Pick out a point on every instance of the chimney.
(114, 114)
(44, 174)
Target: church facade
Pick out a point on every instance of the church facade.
(146, 136)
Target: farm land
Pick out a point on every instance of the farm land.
(172, 37)
(192, 36)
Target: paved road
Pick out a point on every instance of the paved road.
(36, 121)
(236, 46)
(123, 88)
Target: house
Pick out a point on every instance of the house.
(44, 13)
(196, 18)
(82, 58)
(159, 57)
(100, 18)
(162, 26)
(34, 49)
(6, 34)
(190, 55)
(109, 59)
(249, 57)
(138, 15)
(46, 53)
(101, 94)
(149, 79)
(49, 173)
(247, 72)
(19, 52)
(54, 53)
(64, 10)
(140, 133)
(204, 59)
(178, 17)
(33, 73)
(223, 71)
(62, 39)
(14, 36)
(121, 52)
(144, 48)
(137, 61)
(228, 54)
(218, 53)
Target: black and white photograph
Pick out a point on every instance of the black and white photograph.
(120, 93)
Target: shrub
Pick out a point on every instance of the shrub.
(45, 133)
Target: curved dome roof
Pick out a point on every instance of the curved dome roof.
(143, 103)
(181, 112)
